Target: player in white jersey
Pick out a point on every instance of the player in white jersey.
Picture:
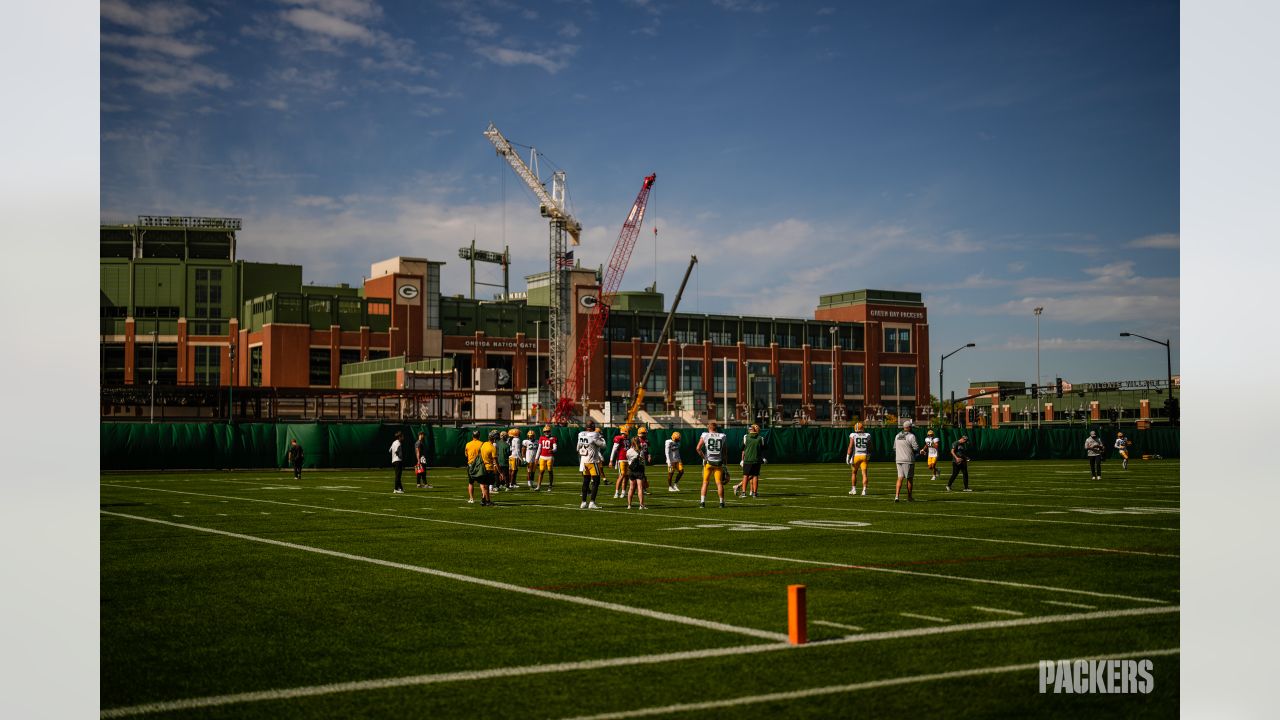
(858, 455)
(1122, 447)
(675, 468)
(591, 450)
(711, 447)
(931, 446)
(530, 455)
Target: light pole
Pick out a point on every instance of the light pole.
(833, 330)
(537, 367)
(680, 377)
(231, 384)
(942, 366)
(1039, 410)
(586, 369)
(1168, 357)
(155, 341)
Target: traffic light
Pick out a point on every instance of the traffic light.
(1059, 387)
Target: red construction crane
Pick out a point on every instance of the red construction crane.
(590, 342)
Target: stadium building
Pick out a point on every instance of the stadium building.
(178, 308)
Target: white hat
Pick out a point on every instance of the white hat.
(1093, 433)
(907, 423)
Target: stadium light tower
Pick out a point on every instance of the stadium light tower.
(1039, 410)
(1168, 357)
(942, 366)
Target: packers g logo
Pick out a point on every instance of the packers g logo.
(408, 292)
(588, 301)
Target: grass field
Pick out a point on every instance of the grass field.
(249, 594)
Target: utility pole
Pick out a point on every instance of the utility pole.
(155, 341)
(1039, 408)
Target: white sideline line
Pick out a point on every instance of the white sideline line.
(985, 517)
(924, 617)
(1067, 604)
(828, 623)
(853, 687)
(730, 553)
(998, 610)
(893, 532)
(521, 670)
(546, 594)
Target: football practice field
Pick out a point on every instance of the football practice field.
(250, 594)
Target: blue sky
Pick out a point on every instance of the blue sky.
(993, 156)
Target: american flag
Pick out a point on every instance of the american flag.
(566, 260)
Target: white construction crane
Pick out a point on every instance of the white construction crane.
(561, 223)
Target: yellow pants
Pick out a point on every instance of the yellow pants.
(859, 461)
(544, 463)
(713, 472)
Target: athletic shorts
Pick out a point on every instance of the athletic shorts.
(907, 470)
(635, 472)
(676, 466)
(1124, 454)
(622, 468)
(513, 463)
(933, 462)
(713, 472)
(752, 469)
(590, 469)
(544, 463)
(859, 461)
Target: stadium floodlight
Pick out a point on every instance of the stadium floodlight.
(1168, 357)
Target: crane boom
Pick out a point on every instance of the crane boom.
(553, 202)
(589, 343)
(638, 402)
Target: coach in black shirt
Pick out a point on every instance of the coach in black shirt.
(960, 461)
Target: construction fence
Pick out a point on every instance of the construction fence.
(196, 446)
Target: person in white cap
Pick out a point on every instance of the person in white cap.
(905, 449)
(1094, 448)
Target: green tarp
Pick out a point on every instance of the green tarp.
(183, 446)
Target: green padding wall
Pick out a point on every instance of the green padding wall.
(183, 446)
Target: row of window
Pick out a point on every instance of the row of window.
(849, 338)
(895, 381)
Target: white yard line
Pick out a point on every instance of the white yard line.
(840, 626)
(1067, 604)
(925, 513)
(523, 670)
(998, 611)
(895, 571)
(925, 617)
(649, 514)
(792, 695)
(494, 584)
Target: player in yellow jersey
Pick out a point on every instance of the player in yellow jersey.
(931, 447)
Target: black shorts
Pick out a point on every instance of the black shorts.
(635, 472)
(752, 469)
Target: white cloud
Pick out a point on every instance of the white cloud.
(328, 25)
(156, 43)
(279, 103)
(167, 78)
(553, 60)
(1068, 344)
(1163, 241)
(161, 18)
(363, 9)
(752, 6)
(570, 30)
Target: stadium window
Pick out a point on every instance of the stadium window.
(759, 369)
(657, 377)
(208, 365)
(792, 378)
(717, 372)
(691, 375)
(319, 370)
(888, 381)
(907, 381)
(255, 366)
(620, 376)
(853, 383)
(346, 356)
(821, 378)
(379, 354)
(112, 370)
